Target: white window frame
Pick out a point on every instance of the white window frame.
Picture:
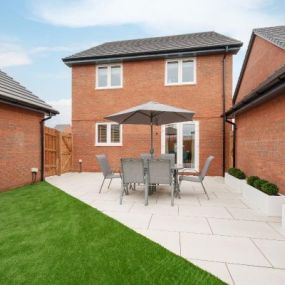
(179, 127)
(108, 76)
(180, 68)
(108, 143)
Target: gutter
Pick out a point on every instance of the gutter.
(107, 59)
(258, 98)
(224, 110)
(42, 122)
(26, 106)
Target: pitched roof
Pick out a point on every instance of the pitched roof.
(275, 82)
(274, 35)
(157, 45)
(13, 92)
(62, 127)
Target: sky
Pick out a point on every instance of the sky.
(36, 34)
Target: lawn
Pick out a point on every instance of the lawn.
(48, 237)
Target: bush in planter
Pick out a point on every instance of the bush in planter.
(251, 179)
(259, 182)
(269, 188)
(236, 173)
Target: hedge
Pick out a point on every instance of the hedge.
(236, 173)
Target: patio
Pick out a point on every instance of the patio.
(221, 235)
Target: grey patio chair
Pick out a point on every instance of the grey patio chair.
(145, 157)
(200, 177)
(159, 172)
(170, 156)
(106, 170)
(132, 171)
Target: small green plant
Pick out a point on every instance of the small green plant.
(259, 182)
(251, 179)
(269, 188)
(236, 173)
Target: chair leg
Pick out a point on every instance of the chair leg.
(102, 185)
(205, 190)
(123, 189)
(146, 194)
(172, 194)
(110, 183)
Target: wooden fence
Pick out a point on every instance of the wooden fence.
(58, 152)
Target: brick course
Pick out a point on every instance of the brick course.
(261, 141)
(19, 145)
(261, 130)
(144, 81)
(265, 58)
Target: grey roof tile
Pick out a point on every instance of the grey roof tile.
(193, 41)
(275, 35)
(13, 92)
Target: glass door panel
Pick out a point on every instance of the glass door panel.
(188, 143)
(171, 139)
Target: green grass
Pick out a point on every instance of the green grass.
(48, 237)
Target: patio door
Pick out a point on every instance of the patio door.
(182, 139)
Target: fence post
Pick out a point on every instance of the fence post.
(59, 140)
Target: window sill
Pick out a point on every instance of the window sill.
(180, 84)
(108, 144)
(108, 88)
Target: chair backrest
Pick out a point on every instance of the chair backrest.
(206, 167)
(132, 170)
(104, 164)
(170, 156)
(145, 157)
(159, 171)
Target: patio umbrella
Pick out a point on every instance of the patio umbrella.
(152, 113)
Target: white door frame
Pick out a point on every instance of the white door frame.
(179, 127)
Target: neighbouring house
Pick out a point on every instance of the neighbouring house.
(22, 117)
(65, 128)
(191, 71)
(259, 107)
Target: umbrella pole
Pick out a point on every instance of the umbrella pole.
(151, 138)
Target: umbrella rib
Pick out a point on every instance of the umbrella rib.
(132, 114)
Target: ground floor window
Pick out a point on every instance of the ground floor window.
(182, 139)
(108, 134)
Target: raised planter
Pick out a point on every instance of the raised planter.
(256, 199)
(234, 182)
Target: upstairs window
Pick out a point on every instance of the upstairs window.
(180, 71)
(108, 134)
(109, 76)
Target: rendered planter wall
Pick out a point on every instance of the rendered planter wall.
(234, 182)
(270, 205)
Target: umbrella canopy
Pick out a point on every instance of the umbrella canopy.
(152, 113)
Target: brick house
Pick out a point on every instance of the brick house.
(192, 71)
(22, 117)
(259, 107)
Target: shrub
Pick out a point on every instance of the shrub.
(258, 183)
(269, 188)
(251, 179)
(236, 173)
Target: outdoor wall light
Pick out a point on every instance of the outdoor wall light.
(34, 171)
(80, 165)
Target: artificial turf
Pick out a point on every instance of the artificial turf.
(48, 237)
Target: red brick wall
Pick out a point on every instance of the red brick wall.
(144, 81)
(261, 141)
(19, 145)
(264, 59)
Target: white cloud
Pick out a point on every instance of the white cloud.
(236, 18)
(64, 107)
(11, 53)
